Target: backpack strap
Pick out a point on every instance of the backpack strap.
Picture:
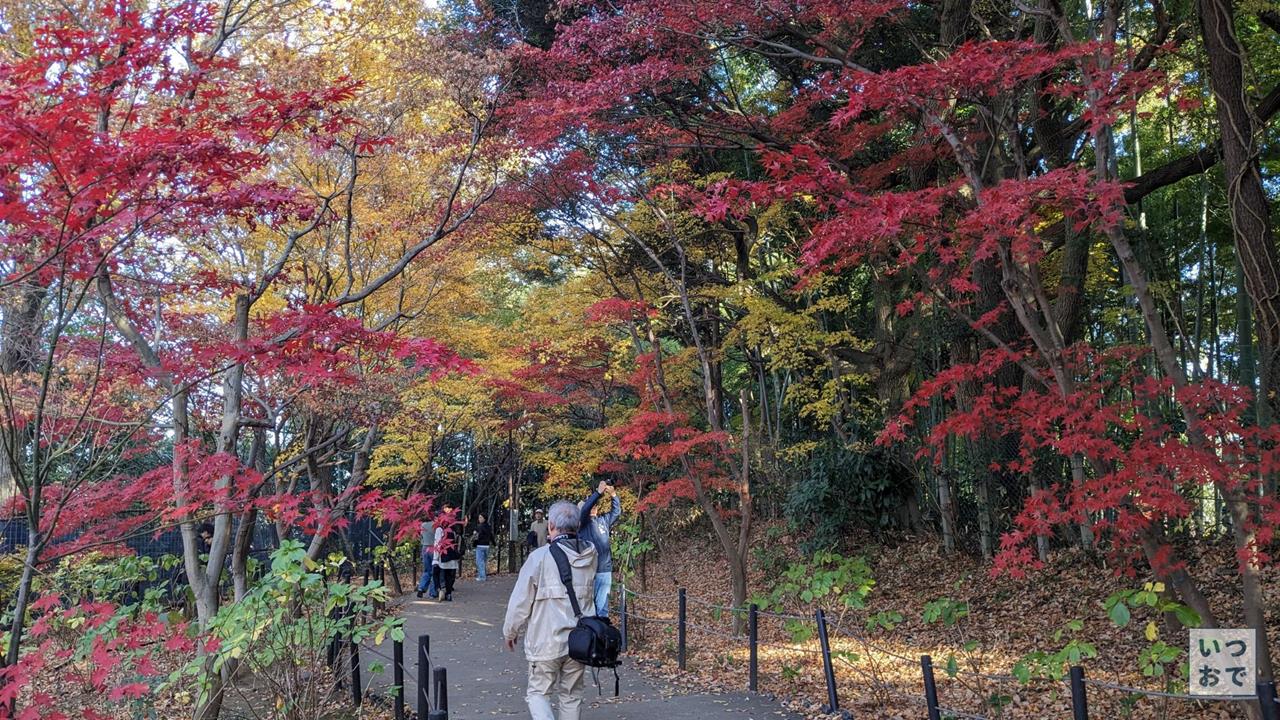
(566, 575)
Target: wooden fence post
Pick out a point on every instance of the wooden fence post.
(622, 610)
(357, 691)
(442, 694)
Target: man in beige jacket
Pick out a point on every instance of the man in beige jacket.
(539, 610)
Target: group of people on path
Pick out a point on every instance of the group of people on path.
(442, 550)
(442, 553)
(539, 609)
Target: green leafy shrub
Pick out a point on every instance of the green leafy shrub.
(1154, 660)
(842, 489)
(826, 577)
(95, 576)
(1045, 665)
(628, 546)
(279, 634)
(946, 611)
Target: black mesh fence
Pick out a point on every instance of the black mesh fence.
(362, 536)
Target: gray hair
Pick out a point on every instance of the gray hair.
(563, 516)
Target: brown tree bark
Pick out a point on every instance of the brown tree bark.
(1247, 200)
(1259, 261)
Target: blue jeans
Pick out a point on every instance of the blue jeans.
(428, 582)
(482, 559)
(604, 583)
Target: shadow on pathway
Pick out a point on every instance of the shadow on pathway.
(487, 682)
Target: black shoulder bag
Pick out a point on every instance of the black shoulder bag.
(594, 642)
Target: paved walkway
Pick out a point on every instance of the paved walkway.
(487, 682)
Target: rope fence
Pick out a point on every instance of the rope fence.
(871, 665)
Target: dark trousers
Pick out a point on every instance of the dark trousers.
(446, 580)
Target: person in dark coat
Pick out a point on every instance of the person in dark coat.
(482, 537)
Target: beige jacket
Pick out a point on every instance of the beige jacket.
(539, 607)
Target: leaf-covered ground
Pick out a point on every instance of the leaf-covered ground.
(878, 672)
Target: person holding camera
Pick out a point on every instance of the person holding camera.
(595, 527)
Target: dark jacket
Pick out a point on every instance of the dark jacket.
(450, 537)
(484, 534)
(597, 529)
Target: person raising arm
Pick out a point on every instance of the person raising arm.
(596, 527)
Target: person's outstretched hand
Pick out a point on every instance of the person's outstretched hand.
(602, 487)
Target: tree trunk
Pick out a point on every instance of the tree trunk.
(19, 335)
(1257, 255)
(23, 599)
(986, 530)
(1247, 375)
(248, 523)
(946, 510)
(240, 553)
(209, 705)
(1250, 209)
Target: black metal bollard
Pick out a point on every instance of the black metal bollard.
(397, 677)
(442, 691)
(622, 615)
(357, 689)
(930, 688)
(753, 648)
(334, 654)
(1079, 702)
(833, 702)
(680, 628)
(424, 676)
(1267, 700)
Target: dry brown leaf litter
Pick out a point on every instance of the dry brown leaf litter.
(1008, 619)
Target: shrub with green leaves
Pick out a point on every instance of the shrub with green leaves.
(278, 636)
(826, 577)
(95, 576)
(839, 488)
(1054, 665)
(1158, 655)
(628, 545)
(946, 611)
